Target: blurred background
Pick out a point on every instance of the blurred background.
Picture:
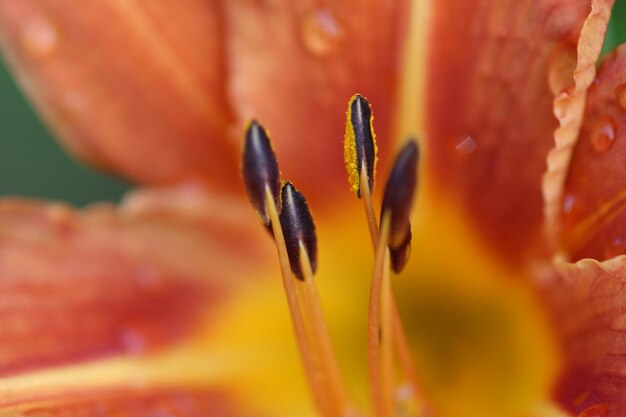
(32, 164)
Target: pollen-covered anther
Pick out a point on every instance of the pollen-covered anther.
(399, 194)
(360, 143)
(260, 169)
(298, 228)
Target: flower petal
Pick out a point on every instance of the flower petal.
(295, 65)
(113, 281)
(569, 107)
(593, 206)
(587, 301)
(133, 402)
(134, 86)
(239, 343)
(489, 118)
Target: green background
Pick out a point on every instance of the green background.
(32, 164)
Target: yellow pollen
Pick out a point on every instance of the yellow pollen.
(350, 155)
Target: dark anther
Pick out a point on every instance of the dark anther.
(400, 255)
(260, 169)
(360, 143)
(298, 227)
(399, 193)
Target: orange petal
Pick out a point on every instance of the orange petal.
(132, 402)
(588, 303)
(489, 113)
(107, 281)
(143, 96)
(295, 65)
(569, 105)
(593, 206)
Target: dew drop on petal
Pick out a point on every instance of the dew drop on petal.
(615, 247)
(603, 135)
(38, 37)
(148, 277)
(621, 96)
(321, 32)
(466, 146)
(136, 338)
(569, 202)
(74, 102)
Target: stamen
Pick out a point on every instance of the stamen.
(260, 169)
(378, 335)
(306, 350)
(382, 298)
(299, 229)
(400, 255)
(360, 143)
(399, 194)
(262, 180)
(336, 385)
(369, 208)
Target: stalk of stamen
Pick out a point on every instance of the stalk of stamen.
(338, 392)
(397, 330)
(386, 341)
(368, 206)
(360, 158)
(301, 242)
(306, 350)
(261, 178)
(379, 381)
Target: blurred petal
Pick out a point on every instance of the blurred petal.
(588, 304)
(237, 340)
(107, 281)
(593, 208)
(134, 402)
(489, 116)
(295, 65)
(136, 87)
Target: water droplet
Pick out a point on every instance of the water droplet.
(621, 96)
(75, 102)
(148, 277)
(603, 135)
(615, 247)
(136, 338)
(321, 32)
(569, 201)
(39, 38)
(466, 146)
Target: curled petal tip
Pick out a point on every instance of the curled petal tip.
(298, 227)
(400, 192)
(360, 143)
(260, 169)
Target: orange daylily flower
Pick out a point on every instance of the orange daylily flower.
(170, 303)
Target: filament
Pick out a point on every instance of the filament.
(298, 323)
(399, 336)
(341, 405)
